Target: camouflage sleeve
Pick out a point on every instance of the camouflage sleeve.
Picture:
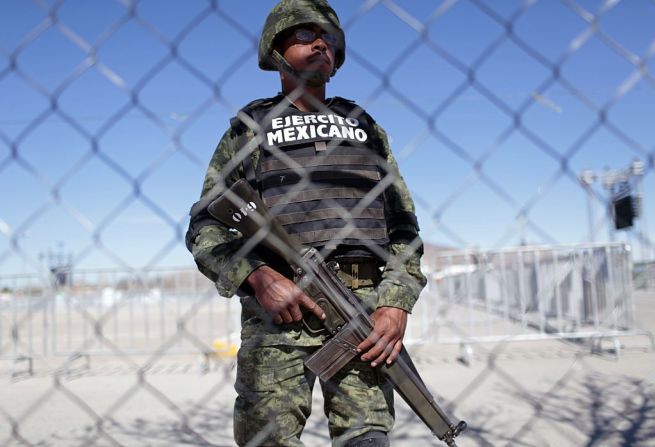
(402, 279)
(216, 249)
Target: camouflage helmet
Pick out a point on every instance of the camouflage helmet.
(288, 14)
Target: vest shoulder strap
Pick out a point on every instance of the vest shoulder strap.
(256, 109)
(349, 108)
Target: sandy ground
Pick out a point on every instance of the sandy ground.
(538, 393)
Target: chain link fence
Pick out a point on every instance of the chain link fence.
(515, 123)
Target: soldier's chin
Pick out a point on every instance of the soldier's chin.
(314, 78)
(319, 65)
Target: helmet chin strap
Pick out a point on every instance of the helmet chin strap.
(311, 78)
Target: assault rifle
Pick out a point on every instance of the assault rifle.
(347, 322)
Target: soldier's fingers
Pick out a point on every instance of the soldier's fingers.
(277, 319)
(388, 349)
(295, 312)
(285, 316)
(395, 353)
(310, 305)
(375, 351)
(364, 346)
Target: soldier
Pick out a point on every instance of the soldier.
(324, 168)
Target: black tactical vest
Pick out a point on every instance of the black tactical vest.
(318, 172)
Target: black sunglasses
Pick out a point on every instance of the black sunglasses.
(308, 36)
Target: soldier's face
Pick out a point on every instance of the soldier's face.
(316, 55)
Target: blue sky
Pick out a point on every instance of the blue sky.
(105, 154)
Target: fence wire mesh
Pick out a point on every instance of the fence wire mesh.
(516, 123)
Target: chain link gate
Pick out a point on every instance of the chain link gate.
(142, 354)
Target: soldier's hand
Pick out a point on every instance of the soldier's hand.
(280, 297)
(385, 341)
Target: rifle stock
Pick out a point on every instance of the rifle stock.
(241, 208)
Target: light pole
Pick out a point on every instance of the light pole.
(586, 179)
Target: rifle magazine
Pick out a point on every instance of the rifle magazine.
(334, 354)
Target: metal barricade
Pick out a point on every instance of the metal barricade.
(527, 293)
(24, 321)
(112, 312)
(644, 275)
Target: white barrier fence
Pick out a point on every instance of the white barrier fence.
(119, 313)
(526, 293)
(644, 275)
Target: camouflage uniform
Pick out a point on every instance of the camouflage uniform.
(274, 388)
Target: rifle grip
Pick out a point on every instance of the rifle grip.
(333, 321)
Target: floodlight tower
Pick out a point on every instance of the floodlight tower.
(624, 202)
(637, 172)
